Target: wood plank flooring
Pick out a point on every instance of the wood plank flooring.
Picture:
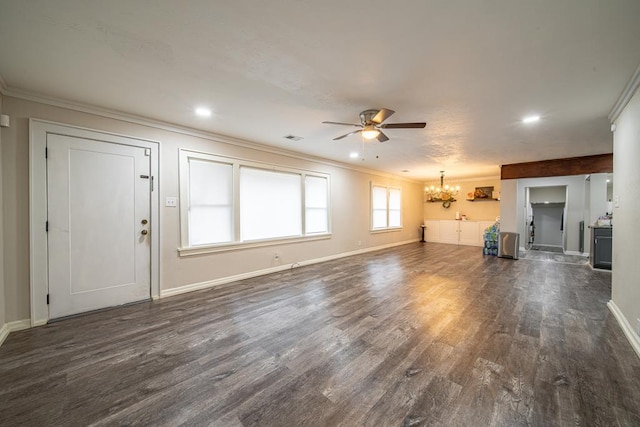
(422, 334)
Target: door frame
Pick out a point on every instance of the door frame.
(38, 252)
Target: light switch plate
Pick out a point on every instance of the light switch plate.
(616, 201)
(171, 202)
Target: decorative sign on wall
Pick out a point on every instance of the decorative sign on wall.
(483, 193)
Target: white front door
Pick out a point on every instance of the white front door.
(99, 198)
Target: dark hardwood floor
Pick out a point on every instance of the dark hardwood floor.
(423, 334)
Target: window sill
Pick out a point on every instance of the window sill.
(386, 230)
(226, 247)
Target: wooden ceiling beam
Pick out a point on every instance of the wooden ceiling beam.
(601, 163)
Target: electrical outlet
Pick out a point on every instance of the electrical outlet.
(171, 202)
(359, 242)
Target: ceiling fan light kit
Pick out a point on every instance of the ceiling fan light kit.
(371, 125)
(370, 132)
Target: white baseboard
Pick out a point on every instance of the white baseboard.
(224, 280)
(633, 338)
(14, 326)
(577, 253)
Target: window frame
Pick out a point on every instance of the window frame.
(185, 249)
(387, 189)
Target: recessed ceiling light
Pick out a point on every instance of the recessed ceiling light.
(203, 112)
(354, 155)
(530, 119)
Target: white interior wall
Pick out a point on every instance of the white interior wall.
(513, 206)
(548, 222)
(598, 196)
(2, 297)
(587, 215)
(349, 191)
(548, 194)
(477, 210)
(625, 292)
(508, 206)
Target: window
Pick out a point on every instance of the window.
(270, 204)
(227, 202)
(386, 208)
(210, 206)
(316, 204)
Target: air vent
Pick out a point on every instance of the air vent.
(292, 137)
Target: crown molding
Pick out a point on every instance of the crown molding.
(626, 95)
(183, 130)
(473, 178)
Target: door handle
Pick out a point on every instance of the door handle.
(144, 232)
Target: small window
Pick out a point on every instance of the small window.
(386, 208)
(316, 204)
(210, 206)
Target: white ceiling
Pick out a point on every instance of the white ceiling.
(470, 69)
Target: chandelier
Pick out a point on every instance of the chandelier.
(445, 193)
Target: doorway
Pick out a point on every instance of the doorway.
(546, 212)
(549, 226)
(94, 220)
(98, 210)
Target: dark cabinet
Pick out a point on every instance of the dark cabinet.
(601, 244)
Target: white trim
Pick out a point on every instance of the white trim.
(199, 250)
(479, 178)
(224, 280)
(633, 338)
(39, 282)
(577, 253)
(17, 325)
(183, 130)
(626, 95)
(385, 230)
(387, 188)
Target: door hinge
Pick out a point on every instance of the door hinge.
(152, 183)
(46, 152)
(46, 226)
(47, 299)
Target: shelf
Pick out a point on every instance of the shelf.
(483, 200)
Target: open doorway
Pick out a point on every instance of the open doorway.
(546, 218)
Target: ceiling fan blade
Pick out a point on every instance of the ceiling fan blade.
(418, 125)
(382, 137)
(382, 115)
(348, 134)
(344, 124)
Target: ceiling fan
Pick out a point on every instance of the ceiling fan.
(371, 123)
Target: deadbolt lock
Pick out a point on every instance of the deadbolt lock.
(144, 232)
(144, 222)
